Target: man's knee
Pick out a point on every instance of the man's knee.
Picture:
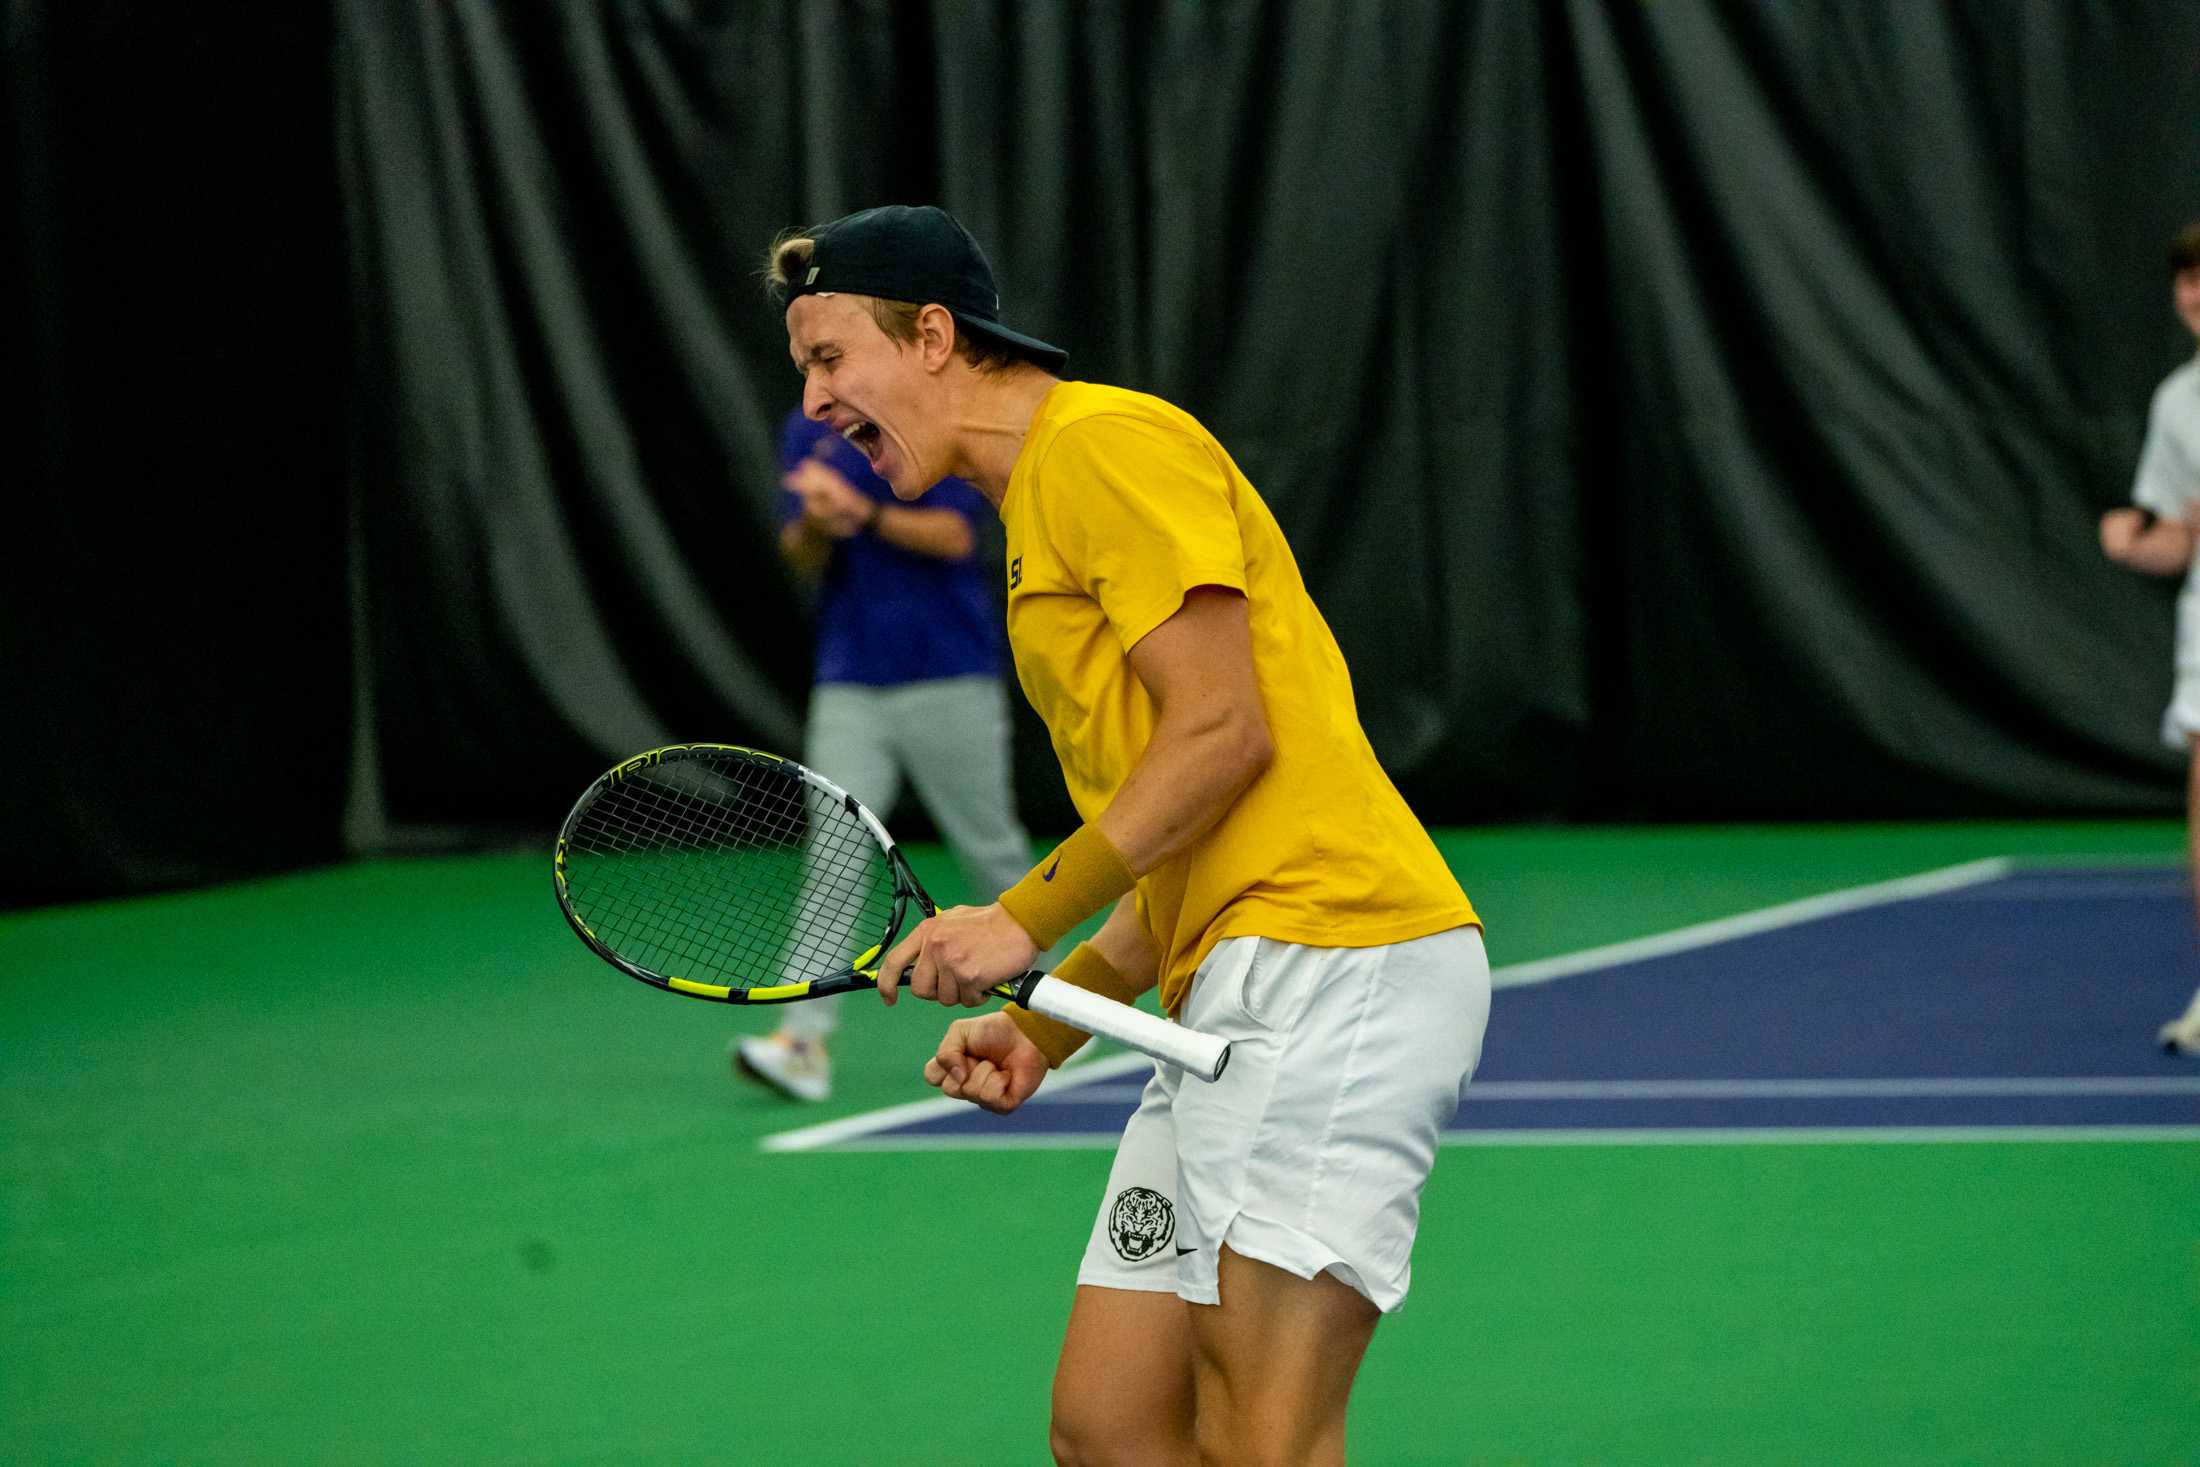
(1242, 1443)
(1081, 1441)
(1066, 1444)
(1089, 1429)
(1071, 1449)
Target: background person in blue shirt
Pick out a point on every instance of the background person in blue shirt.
(909, 655)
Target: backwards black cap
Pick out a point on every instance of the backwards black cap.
(917, 253)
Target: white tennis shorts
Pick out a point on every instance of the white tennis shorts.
(2181, 721)
(1310, 1152)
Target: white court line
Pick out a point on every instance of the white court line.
(840, 1133)
(1749, 924)
(851, 1133)
(854, 1133)
(1844, 1089)
(1721, 1136)
(1821, 1136)
(1896, 1088)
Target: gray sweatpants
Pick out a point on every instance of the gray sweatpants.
(950, 737)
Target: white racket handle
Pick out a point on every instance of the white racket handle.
(1173, 1044)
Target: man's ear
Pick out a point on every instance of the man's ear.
(936, 337)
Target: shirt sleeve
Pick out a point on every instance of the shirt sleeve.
(2168, 478)
(1141, 514)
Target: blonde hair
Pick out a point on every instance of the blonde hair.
(788, 261)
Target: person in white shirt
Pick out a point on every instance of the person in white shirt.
(2155, 534)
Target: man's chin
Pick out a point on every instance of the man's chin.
(888, 466)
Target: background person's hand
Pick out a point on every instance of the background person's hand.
(2121, 529)
(828, 500)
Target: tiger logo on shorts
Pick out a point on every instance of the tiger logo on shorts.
(1140, 1224)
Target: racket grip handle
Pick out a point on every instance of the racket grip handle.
(1189, 1050)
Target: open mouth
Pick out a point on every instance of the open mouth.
(866, 438)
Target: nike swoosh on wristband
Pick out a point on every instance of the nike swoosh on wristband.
(1048, 874)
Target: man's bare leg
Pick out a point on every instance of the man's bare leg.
(1273, 1364)
(1123, 1387)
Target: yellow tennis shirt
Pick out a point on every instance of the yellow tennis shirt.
(1118, 505)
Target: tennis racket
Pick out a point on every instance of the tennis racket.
(737, 876)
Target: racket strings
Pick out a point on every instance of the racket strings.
(721, 910)
(731, 870)
(666, 908)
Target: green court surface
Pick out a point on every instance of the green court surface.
(377, 1164)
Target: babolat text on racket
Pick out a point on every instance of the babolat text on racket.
(737, 876)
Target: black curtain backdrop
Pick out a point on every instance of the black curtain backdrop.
(1680, 410)
(175, 679)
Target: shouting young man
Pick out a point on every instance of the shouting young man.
(1262, 869)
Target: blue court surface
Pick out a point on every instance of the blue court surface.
(1986, 1001)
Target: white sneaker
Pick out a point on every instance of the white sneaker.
(798, 1068)
(2182, 1035)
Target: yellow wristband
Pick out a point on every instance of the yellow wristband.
(1084, 874)
(1083, 968)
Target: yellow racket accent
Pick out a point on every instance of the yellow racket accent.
(752, 995)
(644, 760)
